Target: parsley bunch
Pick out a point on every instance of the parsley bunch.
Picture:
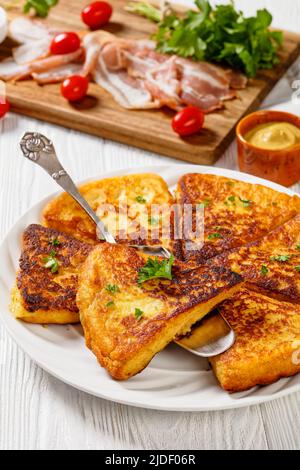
(221, 34)
(41, 7)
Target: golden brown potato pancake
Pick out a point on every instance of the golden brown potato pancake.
(236, 213)
(267, 347)
(130, 199)
(39, 295)
(125, 340)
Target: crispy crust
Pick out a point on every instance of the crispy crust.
(268, 337)
(226, 212)
(40, 296)
(121, 343)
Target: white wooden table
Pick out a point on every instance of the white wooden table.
(39, 412)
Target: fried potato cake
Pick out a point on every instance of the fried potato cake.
(126, 323)
(123, 204)
(235, 213)
(270, 265)
(46, 287)
(267, 345)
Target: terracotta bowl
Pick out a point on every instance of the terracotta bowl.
(280, 166)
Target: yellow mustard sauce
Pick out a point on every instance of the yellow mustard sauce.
(274, 136)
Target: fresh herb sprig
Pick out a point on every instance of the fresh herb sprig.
(219, 34)
(50, 262)
(138, 313)
(41, 7)
(154, 268)
(144, 9)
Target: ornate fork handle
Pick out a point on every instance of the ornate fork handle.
(40, 150)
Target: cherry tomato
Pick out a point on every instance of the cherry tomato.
(4, 108)
(65, 43)
(97, 14)
(188, 121)
(75, 88)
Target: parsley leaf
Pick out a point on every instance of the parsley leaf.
(264, 270)
(297, 268)
(156, 269)
(112, 288)
(213, 236)
(138, 314)
(50, 262)
(204, 203)
(41, 7)
(219, 34)
(246, 202)
(140, 200)
(54, 242)
(280, 258)
(110, 304)
(298, 247)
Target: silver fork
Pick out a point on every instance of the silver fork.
(40, 150)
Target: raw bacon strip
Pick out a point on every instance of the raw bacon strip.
(164, 83)
(32, 51)
(23, 30)
(129, 92)
(204, 85)
(10, 70)
(57, 74)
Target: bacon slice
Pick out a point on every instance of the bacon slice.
(129, 92)
(57, 74)
(10, 70)
(31, 51)
(23, 30)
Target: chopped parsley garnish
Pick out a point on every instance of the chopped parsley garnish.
(138, 314)
(50, 262)
(204, 203)
(264, 270)
(280, 258)
(246, 202)
(213, 236)
(297, 268)
(110, 304)
(156, 269)
(54, 242)
(112, 288)
(140, 200)
(298, 247)
(153, 221)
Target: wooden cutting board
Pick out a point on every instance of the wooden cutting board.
(150, 130)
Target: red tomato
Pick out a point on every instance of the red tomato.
(65, 43)
(4, 108)
(75, 88)
(97, 14)
(188, 121)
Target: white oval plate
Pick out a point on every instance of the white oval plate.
(175, 380)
